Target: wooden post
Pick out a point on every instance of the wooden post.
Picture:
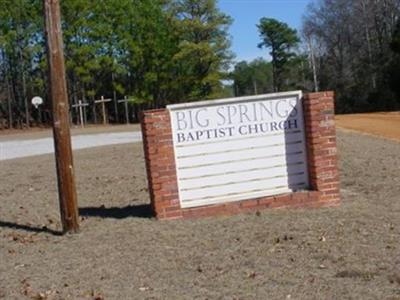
(94, 111)
(61, 130)
(84, 114)
(103, 106)
(82, 111)
(125, 101)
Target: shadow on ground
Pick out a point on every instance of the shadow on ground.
(29, 228)
(136, 211)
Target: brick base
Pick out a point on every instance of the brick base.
(322, 165)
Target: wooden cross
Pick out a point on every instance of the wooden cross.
(82, 112)
(103, 101)
(125, 101)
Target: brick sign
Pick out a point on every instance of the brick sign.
(241, 154)
(239, 148)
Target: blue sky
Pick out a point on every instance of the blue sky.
(247, 13)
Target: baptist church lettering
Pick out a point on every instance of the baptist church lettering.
(222, 121)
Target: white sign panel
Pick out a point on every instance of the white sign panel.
(239, 148)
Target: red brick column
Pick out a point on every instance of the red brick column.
(322, 165)
(321, 146)
(160, 164)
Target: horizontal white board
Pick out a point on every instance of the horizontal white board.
(238, 144)
(235, 149)
(231, 177)
(238, 155)
(245, 186)
(240, 165)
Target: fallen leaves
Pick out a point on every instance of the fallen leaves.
(284, 238)
(366, 275)
(144, 288)
(29, 292)
(93, 295)
(47, 295)
(21, 238)
(395, 278)
(322, 237)
(19, 266)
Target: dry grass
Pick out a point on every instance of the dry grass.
(350, 252)
(384, 124)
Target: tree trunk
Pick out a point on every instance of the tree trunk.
(255, 87)
(314, 68)
(369, 48)
(115, 100)
(9, 103)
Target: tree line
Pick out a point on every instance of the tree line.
(153, 51)
(350, 47)
(157, 52)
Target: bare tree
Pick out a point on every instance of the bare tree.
(355, 42)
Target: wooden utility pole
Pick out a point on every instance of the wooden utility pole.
(60, 108)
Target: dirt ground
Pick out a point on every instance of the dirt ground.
(384, 124)
(350, 252)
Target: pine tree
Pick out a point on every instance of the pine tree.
(281, 39)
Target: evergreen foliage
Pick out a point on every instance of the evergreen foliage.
(154, 51)
(281, 39)
(157, 52)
